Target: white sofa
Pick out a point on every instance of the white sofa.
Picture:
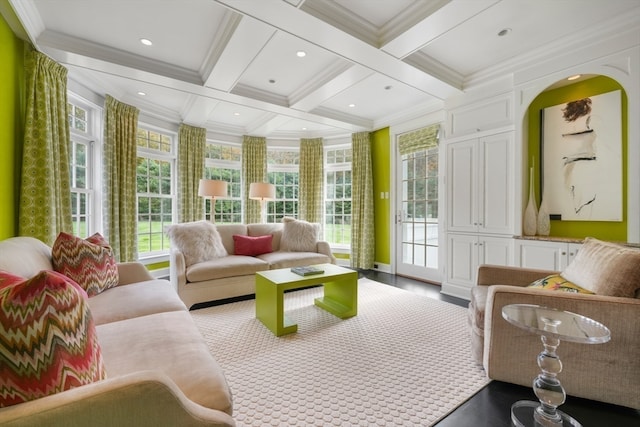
(159, 369)
(234, 275)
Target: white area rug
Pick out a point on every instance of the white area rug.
(405, 359)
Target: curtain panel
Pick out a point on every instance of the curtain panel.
(417, 140)
(311, 190)
(191, 147)
(362, 215)
(254, 169)
(45, 187)
(119, 178)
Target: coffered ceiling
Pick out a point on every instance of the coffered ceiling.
(232, 65)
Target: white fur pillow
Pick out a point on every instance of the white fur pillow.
(198, 241)
(298, 235)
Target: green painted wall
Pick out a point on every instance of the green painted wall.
(616, 231)
(381, 162)
(11, 125)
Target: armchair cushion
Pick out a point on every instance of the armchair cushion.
(47, 338)
(556, 282)
(606, 269)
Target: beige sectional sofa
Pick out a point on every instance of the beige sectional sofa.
(158, 367)
(234, 275)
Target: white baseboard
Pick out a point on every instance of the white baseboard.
(454, 290)
(384, 268)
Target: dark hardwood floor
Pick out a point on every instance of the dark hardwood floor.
(490, 407)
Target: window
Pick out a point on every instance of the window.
(337, 200)
(283, 171)
(82, 167)
(154, 180)
(223, 162)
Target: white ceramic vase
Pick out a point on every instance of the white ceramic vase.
(544, 223)
(531, 211)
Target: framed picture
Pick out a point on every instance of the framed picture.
(581, 151)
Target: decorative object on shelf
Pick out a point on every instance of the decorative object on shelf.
(544, 222)
(531, 211)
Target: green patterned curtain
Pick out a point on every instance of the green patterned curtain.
(362, 226)
(421, 139)
(311, 180)
(119, 176)
(45, 193)
(191, 146)
(254, 169)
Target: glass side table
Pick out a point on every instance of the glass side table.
(553, 326)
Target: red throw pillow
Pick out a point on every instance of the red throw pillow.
(90, 262)
(8, 279)
(48, 339)
(252, 245)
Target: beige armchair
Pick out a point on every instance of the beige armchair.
(604, 372)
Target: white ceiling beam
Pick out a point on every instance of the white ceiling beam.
(287, 18)
(248, 39)
(198, 109)
(435, 25)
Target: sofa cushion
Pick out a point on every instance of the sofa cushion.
(48, 339)
(606, 269)
(227, 231)
(252, 246)
(89, 262)
(298, 235)
(198, 241)
(275, 229)
(282, 259)
(229, 266)
(135, 300)
(556, 282)
(24, 256)
(169, 343)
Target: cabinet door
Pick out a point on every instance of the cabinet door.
(495, 212)
(495, 250)
(462, 259)
(541, 254)
(462, 189)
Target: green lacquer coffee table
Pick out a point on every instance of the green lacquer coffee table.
(340, 294)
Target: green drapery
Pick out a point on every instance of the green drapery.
(191, 146)
(254, 169)
(311, 180)
(421, 139)
(362, 216)
(45, 192)
(119, 178)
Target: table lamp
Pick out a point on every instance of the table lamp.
(212, 188)
(262, 191)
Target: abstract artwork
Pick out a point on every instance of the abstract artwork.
(582, 159)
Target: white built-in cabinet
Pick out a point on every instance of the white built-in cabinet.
(479, 208)
(479, 181)
(544, 254)
(466, 252)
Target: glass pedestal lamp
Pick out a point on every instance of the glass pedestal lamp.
(212, 188)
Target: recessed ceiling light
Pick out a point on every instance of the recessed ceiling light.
(504, 32)
(146, 42)
(304, 128)
(236, 114)
(272, 81)
(352, 105)
(141, 93)
(301, 53)
(576, 77)
(388, 87)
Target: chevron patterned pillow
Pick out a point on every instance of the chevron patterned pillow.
(90, 263)
(48, 340)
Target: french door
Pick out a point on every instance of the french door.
(417, 226)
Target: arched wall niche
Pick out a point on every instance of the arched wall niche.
(606, 74)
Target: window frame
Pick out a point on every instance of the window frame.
(332, 168)
(213, 165)
(272, 216)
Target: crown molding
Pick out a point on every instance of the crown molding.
(333, 71)
(261, 95)
(230, 22)
(427, 64)
(30, 20)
